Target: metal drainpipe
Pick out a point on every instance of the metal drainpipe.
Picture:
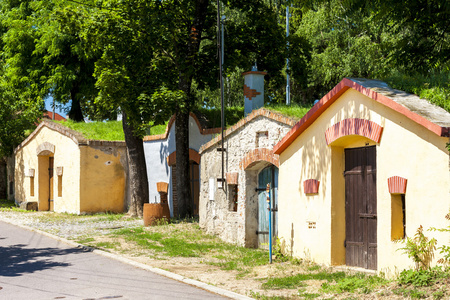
(219, 46)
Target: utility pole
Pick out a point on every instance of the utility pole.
(288, 87)
(222, 104)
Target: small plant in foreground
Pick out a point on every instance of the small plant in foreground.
(422, 277)
(278, 250)
(445, 250)
(420, 248)
(438, 294)
(355, 283)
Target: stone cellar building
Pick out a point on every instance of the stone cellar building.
(235, 208)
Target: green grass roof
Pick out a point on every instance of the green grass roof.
(107, 131)
(113, 131)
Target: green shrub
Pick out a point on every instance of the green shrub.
(420, 248)
(422, 277)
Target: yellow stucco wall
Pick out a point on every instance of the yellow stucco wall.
(406, 149)
(66, 154)
(102, 180)
(90, 178)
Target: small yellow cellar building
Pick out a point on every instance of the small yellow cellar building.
(361, 171)
(57, 169)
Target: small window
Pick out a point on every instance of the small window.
(59, 185)
(232, 197)
(31, 186)
(212, 188)
(398, 217)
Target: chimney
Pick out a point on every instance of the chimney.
(253, 90)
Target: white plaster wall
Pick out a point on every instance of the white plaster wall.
(156, 153)
(67, 155)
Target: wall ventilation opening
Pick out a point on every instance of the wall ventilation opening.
(31, 186)
(398, 217)
(232, 197)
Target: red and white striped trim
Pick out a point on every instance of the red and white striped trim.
(311, 186)
(397, 185)
(353, 126)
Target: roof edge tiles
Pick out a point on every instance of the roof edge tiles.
(164, 136)
(262, 112)
(377, 91)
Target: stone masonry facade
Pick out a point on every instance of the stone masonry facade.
(248, 147)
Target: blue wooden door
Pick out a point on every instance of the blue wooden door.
(267, 175)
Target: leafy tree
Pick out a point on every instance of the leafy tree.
(18, 115)
(374, 39)
(42, 60)
(151, 53)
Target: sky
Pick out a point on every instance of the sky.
(59, 109)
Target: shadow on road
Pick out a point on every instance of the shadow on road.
(16, 260)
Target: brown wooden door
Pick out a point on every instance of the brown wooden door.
(50, 183)
(361, 207)
(194, 185)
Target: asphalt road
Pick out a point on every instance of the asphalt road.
(33, 266)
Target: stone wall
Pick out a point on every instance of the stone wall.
(248, 147)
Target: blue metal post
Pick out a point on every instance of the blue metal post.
(270, 221)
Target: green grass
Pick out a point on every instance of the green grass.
(337, 282)
(8, 205)
(354, 283)
(433, 87)
(232, 115)
(108, 131)
(194, 243)
(157, 129)
(106, 245)
(294, 110)
(5, 203)
(296, 281)
(85, 240)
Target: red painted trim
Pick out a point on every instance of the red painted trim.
(354, 126)
(334, 94)
(163, 136)
(256, 155)
(49, 115)
(262, 112)
(193, 156)
(250, 93)
(254, 72)
(162, 187)
(397, 185)
(311, 186)
(232, 178)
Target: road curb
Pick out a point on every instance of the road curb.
(192, 282)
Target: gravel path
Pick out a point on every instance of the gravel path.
(69, 228)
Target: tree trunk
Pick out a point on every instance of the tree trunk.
(182, 163)
(3, 179)
(75, 112)
(137, 170)
(186, 73)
